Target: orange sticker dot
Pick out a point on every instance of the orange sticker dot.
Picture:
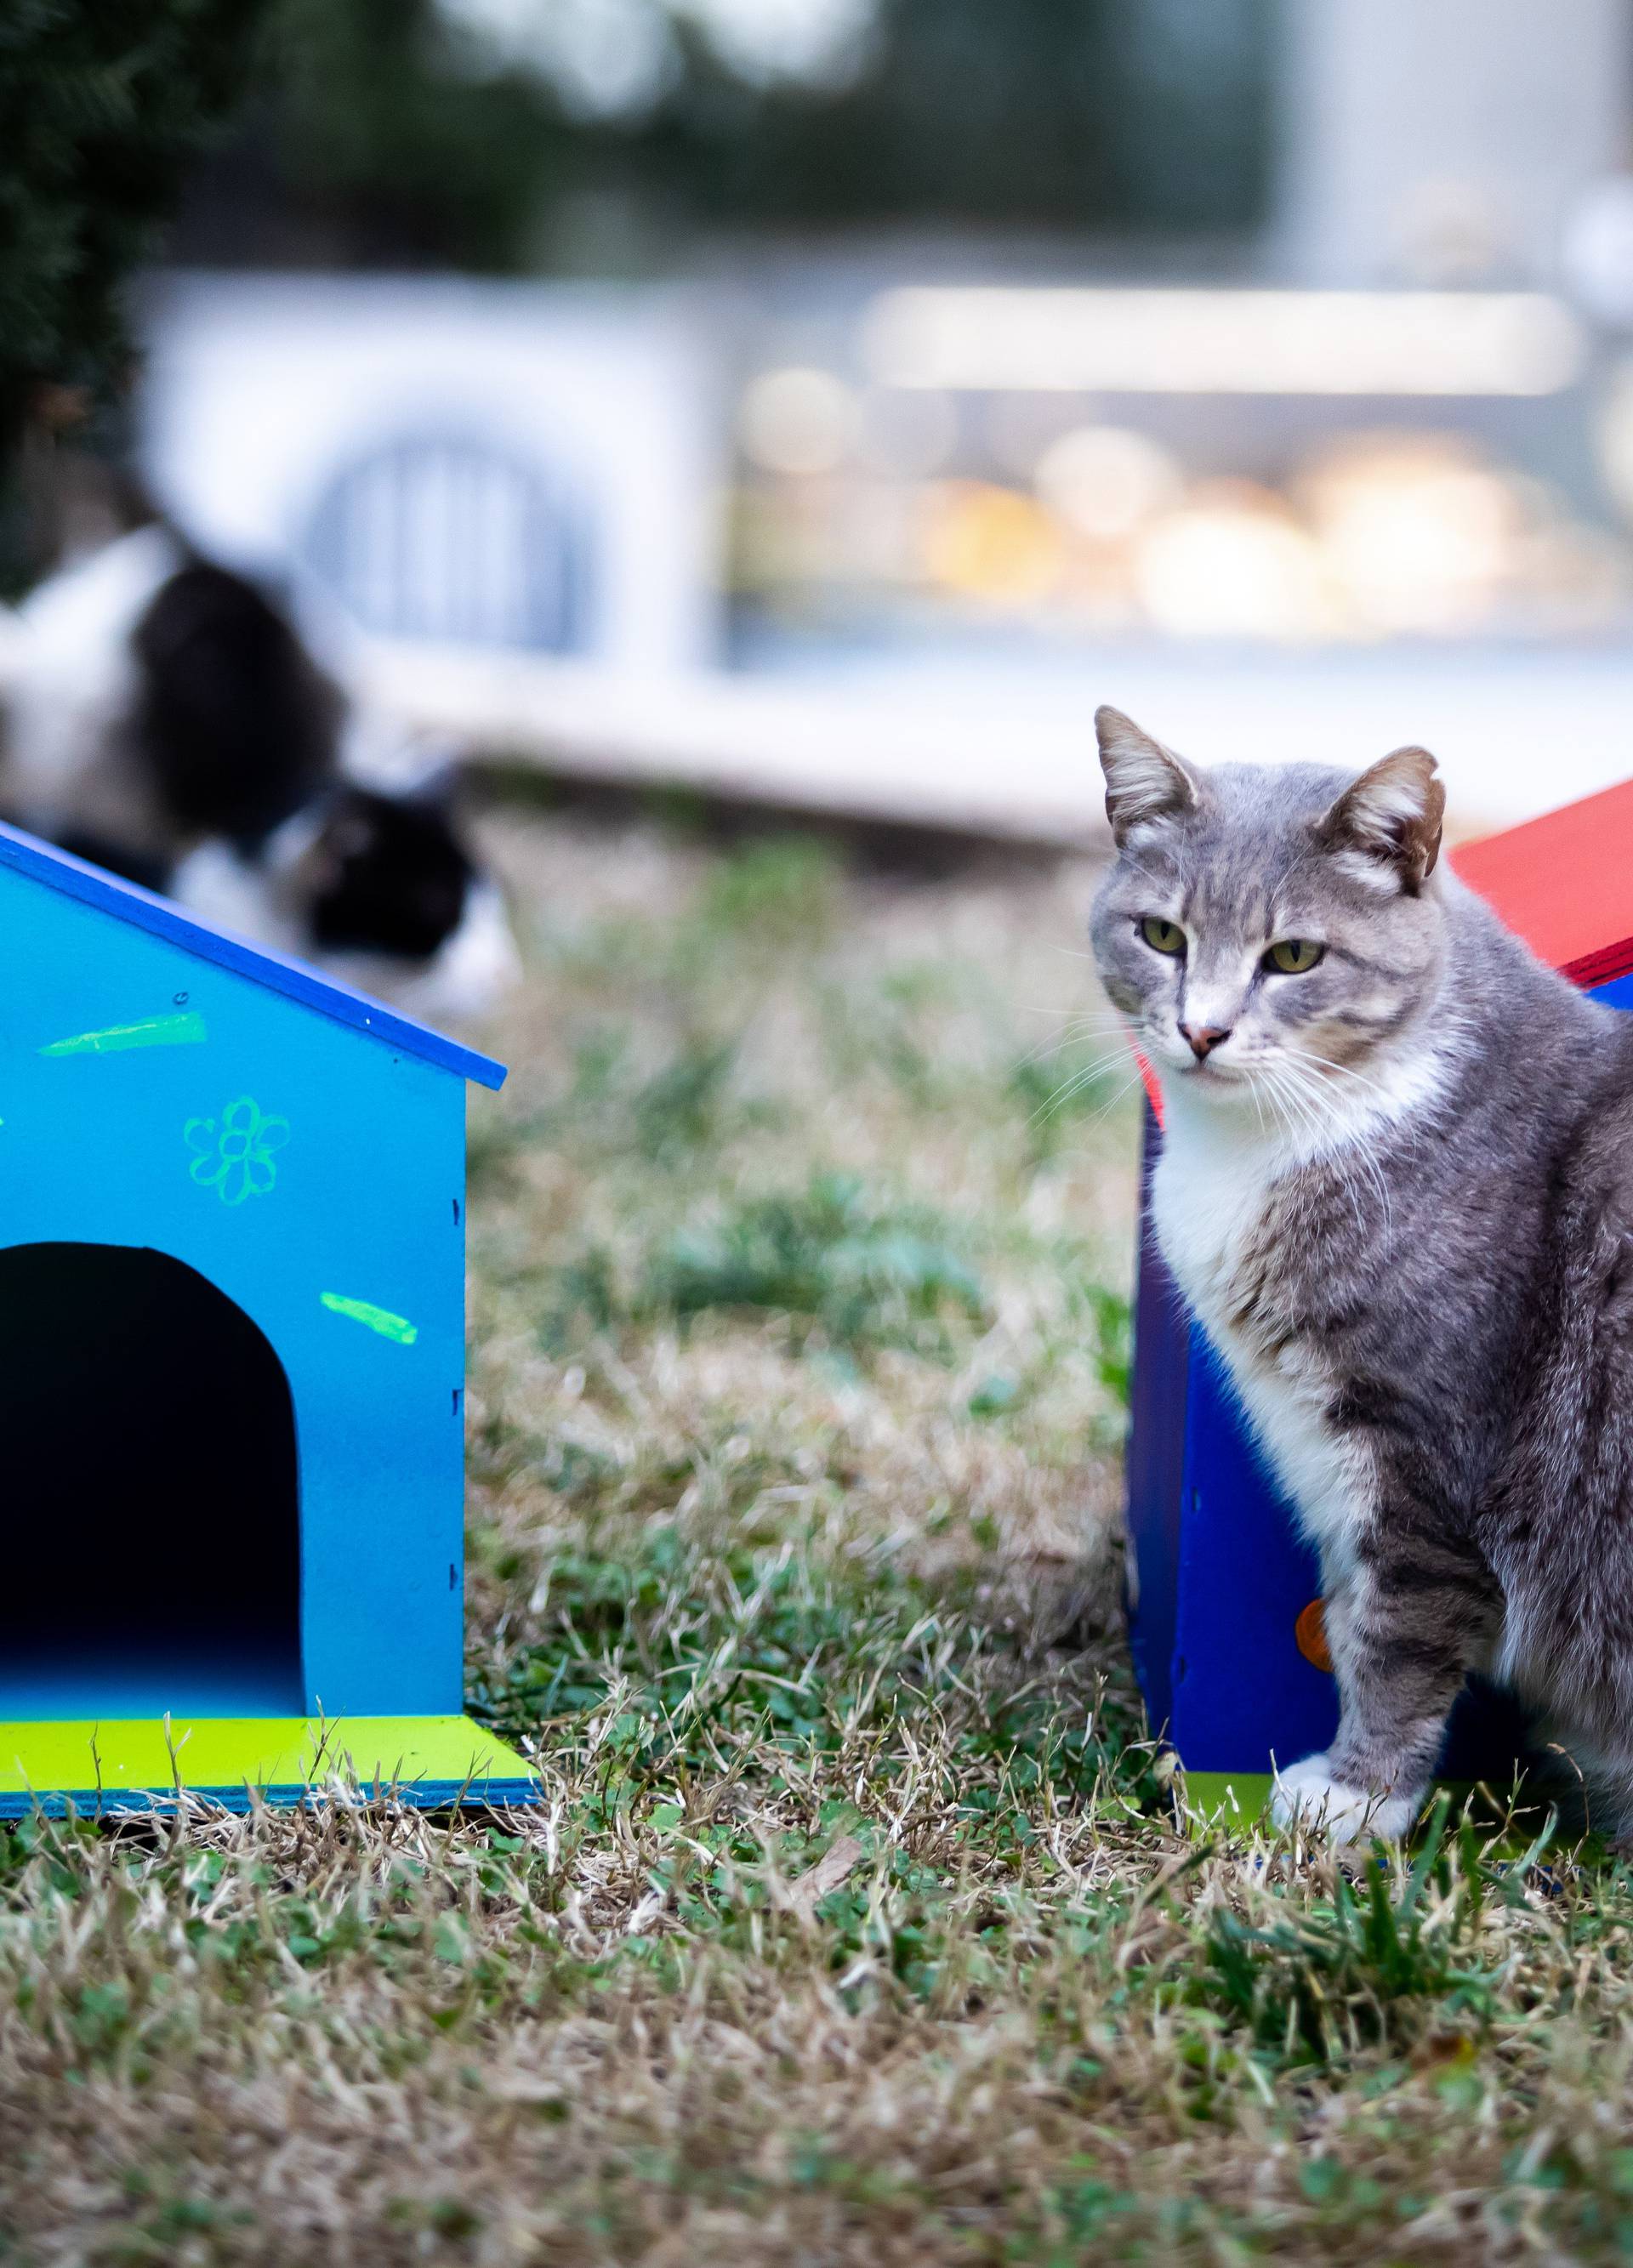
(1311, 1631)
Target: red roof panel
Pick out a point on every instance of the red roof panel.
(1565, 883)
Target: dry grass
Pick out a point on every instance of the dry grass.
(856, 1926)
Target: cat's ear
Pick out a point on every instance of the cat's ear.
(1144, 780)
(1392, 814)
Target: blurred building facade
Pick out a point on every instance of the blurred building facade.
(1370, 403)
(447, 462)
(1390, 412)
(1444, 143)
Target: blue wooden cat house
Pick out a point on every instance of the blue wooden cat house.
(1225, 1617)
(231, 1367)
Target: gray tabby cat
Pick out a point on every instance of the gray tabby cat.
(1396, 1187)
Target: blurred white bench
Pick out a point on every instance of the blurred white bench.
(1008, 752)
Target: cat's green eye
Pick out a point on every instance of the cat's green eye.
(1291, 956)
(1162, 936)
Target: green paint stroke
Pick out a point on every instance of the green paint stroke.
(183, 1031)
(373, 1318)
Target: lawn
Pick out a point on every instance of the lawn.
(857, 1924)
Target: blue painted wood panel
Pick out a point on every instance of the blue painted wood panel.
(1156, 1440)
(1242, 1691)
(1617, 994)
(326, 996)
(284, 1157)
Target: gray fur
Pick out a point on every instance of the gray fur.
(1426, 1296)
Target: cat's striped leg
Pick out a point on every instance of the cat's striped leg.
(1404, 1625)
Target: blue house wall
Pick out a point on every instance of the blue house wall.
(315, 1174)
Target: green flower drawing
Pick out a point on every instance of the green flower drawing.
(235, 1158)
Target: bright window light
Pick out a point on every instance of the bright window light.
(1019, 340)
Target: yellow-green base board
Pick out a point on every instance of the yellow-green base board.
(1238, 1802)
(1232, 1799)
(143, 1763)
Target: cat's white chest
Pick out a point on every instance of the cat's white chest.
(1209, 1198)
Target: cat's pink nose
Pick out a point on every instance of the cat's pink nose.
(1202, 1038)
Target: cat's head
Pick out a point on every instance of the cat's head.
(1265, 926)
(383, 874)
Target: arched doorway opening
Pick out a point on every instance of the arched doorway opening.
(446, 534)
(148, 1493)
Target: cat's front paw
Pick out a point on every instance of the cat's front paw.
(1308, 1792)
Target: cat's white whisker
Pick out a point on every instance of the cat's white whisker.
(1087, 1077)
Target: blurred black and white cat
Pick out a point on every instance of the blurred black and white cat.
(165, 719)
